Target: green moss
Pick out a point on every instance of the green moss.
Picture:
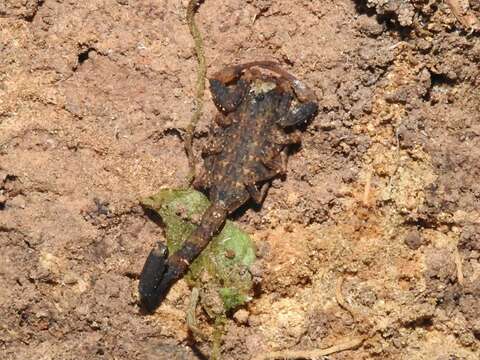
(225, 260)
(232, 298)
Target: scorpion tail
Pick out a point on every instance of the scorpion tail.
(160, 272)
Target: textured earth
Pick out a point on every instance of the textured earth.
(373, 235)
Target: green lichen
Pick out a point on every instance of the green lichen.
(232, 298)
(226, 259)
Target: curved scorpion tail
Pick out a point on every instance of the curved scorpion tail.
(160, 272)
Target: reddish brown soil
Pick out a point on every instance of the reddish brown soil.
(384, 192)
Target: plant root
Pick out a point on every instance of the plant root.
(192, 8)
(351, 344)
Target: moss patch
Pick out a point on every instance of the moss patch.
(226, 259)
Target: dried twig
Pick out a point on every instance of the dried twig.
(397, 160)
(462, 12)
(458, 264)
(341, 300)
(368, 188)
(200, 86)
(191, 318)
(313, 354)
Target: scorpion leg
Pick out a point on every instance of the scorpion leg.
(299, 114)
(258, 195)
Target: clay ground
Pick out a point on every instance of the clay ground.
(373, 235)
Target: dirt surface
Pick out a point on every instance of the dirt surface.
(374, 234)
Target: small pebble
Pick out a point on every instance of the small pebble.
(413, 240)
(241, 316)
